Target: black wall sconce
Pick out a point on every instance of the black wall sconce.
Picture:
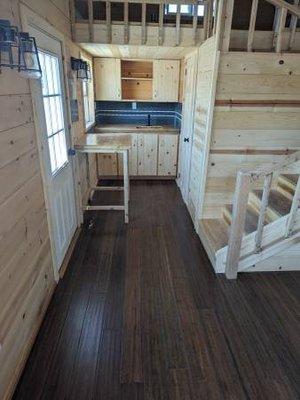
(18, 51)
(81, 67)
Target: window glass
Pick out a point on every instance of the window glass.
(52, 100)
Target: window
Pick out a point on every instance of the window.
(88, 102)
(53, 108)
(185, 9)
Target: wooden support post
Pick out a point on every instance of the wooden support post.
(205, 21)
(126, 184)
(108, 22)
(210, 18)
(252, 25)
(293, 211)
(293, 27)
(178, 25)
(195, 22)
(263, 211)
(161, 24)
(91, 20)
(216, 10)
(144, 33)
(237, 225)
(126, 23)
(279, 34)
(72, 17)
(227, 25)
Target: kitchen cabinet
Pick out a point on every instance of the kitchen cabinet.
(167, 155)
(156, 80)
(166, 80)
(107, 75)
(147, 154)
(152, 154)
(133, 158)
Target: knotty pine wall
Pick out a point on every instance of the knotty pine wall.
(26, 274)
(246, 135)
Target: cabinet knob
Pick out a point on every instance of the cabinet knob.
(186, 139)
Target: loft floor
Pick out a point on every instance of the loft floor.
(140, 314)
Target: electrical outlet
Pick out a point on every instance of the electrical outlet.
(134, 105)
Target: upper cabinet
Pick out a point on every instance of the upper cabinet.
(136, 80)
(107, 75)
(166, 80)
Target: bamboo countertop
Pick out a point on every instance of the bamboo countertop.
(135, 128)
(93, 143)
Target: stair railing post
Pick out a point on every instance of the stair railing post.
(238, 224)
(293, 212)
(263, 211)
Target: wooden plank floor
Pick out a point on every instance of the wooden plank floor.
(140, 315)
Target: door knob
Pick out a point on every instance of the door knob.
(186, 139)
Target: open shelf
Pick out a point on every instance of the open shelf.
(137, 80)
(134, 89)
(136, 69)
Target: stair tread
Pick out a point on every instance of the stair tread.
(277, 201)
(214, 234)
(293, 178)
(250, 221)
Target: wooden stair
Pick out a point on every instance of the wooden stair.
(214, 233)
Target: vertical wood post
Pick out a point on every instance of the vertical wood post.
(126, 184)
(144, 23)
(126, 23)
(161, 24)
(237, 225)
(216, 16)
(262, 212)
(195, 22)
(293, 27)
(108, 22)
(252, 25)
(91, 20)
(279, 34)
(178, 25)
(72, 17)
(210, 18)
(229, 5)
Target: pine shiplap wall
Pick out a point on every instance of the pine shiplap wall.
(26, 274)
(256, 119)
(203, 94)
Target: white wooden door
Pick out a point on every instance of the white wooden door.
(107, 75)
(54, 138)
(147, 154)
(186, 136)
(166, 80)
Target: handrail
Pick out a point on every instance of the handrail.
(242, 189)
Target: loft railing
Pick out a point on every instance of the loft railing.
(243, 185)
(283, 8)
(208, 19)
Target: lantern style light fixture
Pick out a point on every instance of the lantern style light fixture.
(81, 67)
(18, 51)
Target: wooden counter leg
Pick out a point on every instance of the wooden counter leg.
(126, 185)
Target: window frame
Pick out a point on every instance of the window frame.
(190, 13)
(88, 98)
(51, 111)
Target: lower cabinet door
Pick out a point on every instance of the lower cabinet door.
(167, 155)
(132, 158)
(107, 164)
(147, 154)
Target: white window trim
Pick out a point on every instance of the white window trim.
(90, 97)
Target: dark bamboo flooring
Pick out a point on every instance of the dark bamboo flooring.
(140, 315)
